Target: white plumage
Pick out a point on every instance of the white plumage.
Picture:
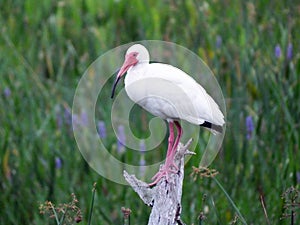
(169, 93)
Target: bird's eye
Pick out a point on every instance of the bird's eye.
(135, 54)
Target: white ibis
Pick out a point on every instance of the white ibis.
(171, 94)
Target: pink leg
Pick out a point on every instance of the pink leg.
(171, 138)
(169, 163)
(170, 157)
(179, 134)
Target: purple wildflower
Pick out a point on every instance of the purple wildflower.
(142, 146)
(7, 92)
(75, 121)
(59, 120)
(218, 41)
(142, 162)
(277, 51)
(68, 116)
(121, 139)
(289, 51)
(101, 129)
(58, 163)
(84, 120)
(249, 126)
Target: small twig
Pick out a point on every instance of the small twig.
(264, 208)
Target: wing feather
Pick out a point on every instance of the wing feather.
(170, 93)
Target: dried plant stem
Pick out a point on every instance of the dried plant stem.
(55, 214)
(63, 217)
(264, 208)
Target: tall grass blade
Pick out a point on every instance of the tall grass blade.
(92, 204)
(231, 201)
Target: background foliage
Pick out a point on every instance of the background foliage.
(252, 47)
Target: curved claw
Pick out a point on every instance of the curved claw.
(164, 172)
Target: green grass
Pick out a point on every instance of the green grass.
(45, 48)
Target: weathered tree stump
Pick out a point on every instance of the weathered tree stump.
(165, 196)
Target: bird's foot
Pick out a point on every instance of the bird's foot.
(164, 171)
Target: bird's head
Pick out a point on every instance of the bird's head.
(135, 54)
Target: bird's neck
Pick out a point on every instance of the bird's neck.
(136, 72)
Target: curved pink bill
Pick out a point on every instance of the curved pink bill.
(130, 60)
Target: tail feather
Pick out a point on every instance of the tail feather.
(214, 128)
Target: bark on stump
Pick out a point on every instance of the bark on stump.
(165, 197)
